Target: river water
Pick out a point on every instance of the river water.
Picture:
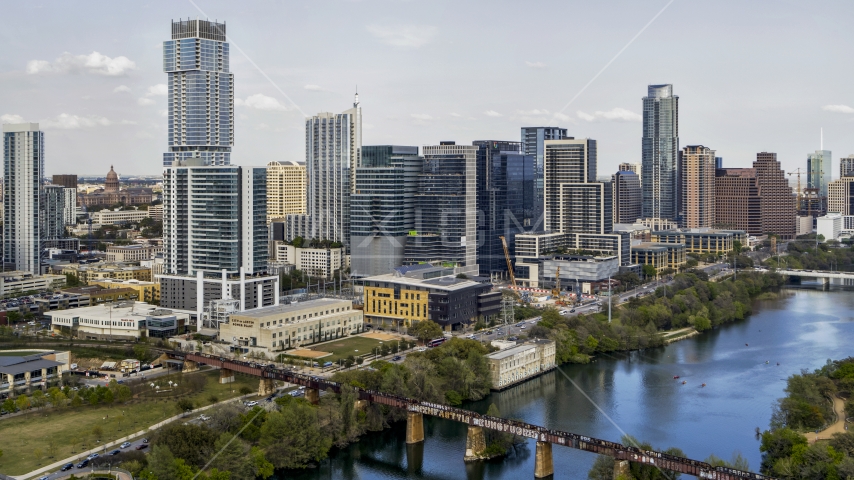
(634, 393)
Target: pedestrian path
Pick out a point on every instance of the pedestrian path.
(837, 427)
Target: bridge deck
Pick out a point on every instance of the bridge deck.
(543, 434)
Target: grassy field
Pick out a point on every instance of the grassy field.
(6, 353)
(348, 346)
(45, 436)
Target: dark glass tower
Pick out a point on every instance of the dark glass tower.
(532, 144)
(506, 200)
(660, 149)
(201, 93)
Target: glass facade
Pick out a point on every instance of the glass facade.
(532, 144)
(23, 169)
(660, 147)
(506, 200)
(819, 171)
(200, 93)
(566, 161)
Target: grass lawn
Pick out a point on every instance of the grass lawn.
(6, 353)
(347, 346)
(45, 436)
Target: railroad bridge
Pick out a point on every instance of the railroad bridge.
(475, 444)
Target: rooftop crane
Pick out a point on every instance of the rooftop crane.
(509, 264)
(798, 173)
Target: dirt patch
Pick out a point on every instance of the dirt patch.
(309, 353)
(381, 336)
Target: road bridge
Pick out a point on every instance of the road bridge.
(822, 274)
(416, 409)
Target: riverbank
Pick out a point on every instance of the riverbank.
(680, 334)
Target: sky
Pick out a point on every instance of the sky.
(752, 76)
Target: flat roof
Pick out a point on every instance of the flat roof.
(509, 352)
(103, 311)
(265, 312)
(16, 365)
(441, 283)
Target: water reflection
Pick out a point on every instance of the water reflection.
(638, 391)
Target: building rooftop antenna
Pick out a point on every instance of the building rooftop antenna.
(356, 101)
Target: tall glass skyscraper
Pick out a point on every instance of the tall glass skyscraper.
(532, 144)
(660, 149)
(23, 169)
(819, 171)
(201, 93)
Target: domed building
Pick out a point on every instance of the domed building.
(112, 183)
(113, 194)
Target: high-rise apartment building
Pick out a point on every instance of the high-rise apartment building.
(333, 144)
(840, 196)
(819, 171)
(382, 208)
(67, 181)
(214, 219)
(445, 228)
(846, 166)
(506, 201)
(201, 93)
(660, 146)
(568, 161)
(286, 189)
(697, 187)
(23, 169)
(626, 196)
(631, 167)
(69, 214)
(52, 212)
(757, 200)
(533, 139)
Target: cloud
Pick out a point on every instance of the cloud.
(260, 101)
(535, 64)
(65, 121)
(314, 88)
(11, 118)
(838, 108)
(94, 63)
(121, 89)
(455, 115)
(156, 90)
(145, 102)
(615, 114)
(404, 35)
(491, 113)
(562, 117)
(535, 111)
(421, 116)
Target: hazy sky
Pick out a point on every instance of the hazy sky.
(751, 75)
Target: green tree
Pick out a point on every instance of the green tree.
(38, 399)
(9, 405)
(425, 330)
(649, 271)
(97, 432)
(184, 405)
(292, 438)
(779, 444)
(233, 456)
(22, 402)
(141, 352)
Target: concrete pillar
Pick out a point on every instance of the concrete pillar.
(27, 377)
(242, 289)
(543, 464)
(275, 291)
(414, 458)
(44, 375)
(414, 427)
(360, 405)
(189, 366)
(312, 395)
(621, 470)
(226, 375)
(265, 387)
(200, 299)
(475, 443)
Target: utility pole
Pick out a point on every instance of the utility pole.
(609, 299)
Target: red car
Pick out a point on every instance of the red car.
(141, 446)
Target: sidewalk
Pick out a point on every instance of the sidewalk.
(837, 427)
(53, 466)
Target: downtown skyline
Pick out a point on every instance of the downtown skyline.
(115, 99)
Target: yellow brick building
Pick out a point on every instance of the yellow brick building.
(148, 292)
(287, 185)
(92, 273)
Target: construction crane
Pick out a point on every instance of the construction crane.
(509, 264)
(556, 291)
(798, 172)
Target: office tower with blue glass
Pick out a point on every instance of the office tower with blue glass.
(626, 196)
(445, 229)
(659, 153)
(819, 171)
(200, 92)
(382, 208)
(23, 169)
(506, 201)
(532, 144)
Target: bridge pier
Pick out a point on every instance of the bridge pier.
(825, 283)
(359, 405)
(189, 366)
(265, 387)
(226, 375)
(543, 463)
(414, 427)
(475, 444)
(621, 470)
(312, 395)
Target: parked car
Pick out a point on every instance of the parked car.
(44, 477)
(396, 358)
(204, 418)
(124, 445)
(327, 364)
(251, 404)
(115, 452)
(144, 440)
(67, 466)
(142, 446)
(93, 456)
(83, 464)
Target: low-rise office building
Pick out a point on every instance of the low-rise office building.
(25, 370)
(660, 255)
(431, 293)
(702, 240)
(61, 301)
(516, 364)
(132, 253)
(281, 327)
(15, 283)
(114, 217)
(98, 294)
(317, 262)
(146, 291)
(93, 272)
(120, 321)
